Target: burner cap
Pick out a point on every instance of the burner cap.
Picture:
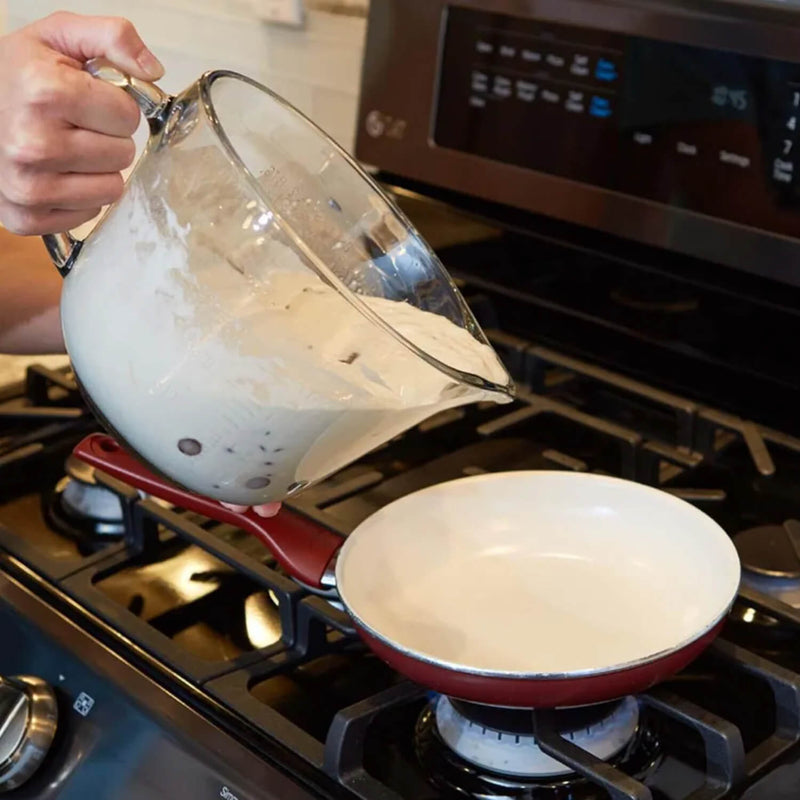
(82, 508)
(458, 777)
(92, 502)
(602, 731)
(520, 720)
(771, 550)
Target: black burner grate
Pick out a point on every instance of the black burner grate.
(724, 723)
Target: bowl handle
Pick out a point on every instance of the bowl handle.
(154, 104)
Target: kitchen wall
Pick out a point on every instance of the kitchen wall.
(316, 68)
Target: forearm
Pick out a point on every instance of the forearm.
(30, 288)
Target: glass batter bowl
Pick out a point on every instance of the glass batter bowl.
(254, 313)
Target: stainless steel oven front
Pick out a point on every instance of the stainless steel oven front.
(674, 124)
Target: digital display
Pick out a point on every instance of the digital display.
(705, 130)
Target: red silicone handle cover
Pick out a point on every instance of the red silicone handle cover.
(303, 548)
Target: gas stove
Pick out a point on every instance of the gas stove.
(202, 611)
(649, 320)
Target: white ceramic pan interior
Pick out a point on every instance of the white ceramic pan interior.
(538, 574)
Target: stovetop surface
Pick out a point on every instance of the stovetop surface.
(211, 606)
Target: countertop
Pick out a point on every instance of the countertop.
(12, 368)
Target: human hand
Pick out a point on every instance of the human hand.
(267, 510)
(65, 136)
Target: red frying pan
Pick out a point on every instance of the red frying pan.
(530, 589)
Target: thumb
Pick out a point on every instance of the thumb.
(82, 37)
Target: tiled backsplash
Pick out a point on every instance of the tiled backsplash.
(316, 68)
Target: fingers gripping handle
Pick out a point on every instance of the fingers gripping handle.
(154, 104)
(150, 99)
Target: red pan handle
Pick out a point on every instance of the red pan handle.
(303, 548)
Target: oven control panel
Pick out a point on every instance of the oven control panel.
(705, 130)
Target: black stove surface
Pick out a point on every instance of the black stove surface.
(211, 607)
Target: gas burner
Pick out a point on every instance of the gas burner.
(487, 752)
(79, 507)
(502, 739)
(770, 556)
(771, 551)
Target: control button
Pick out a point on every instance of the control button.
(787, 147)
(477, 102)
(480, 81)
(507, 51)
(527, 91)
(605, 70)
(534, 56)
(686, 149)
(501, 86)
(791, 123)
(736, 159)
(550, 96)
(580, 65)
(484, 47)
(575, 102)
(28, 719)
(600, 107)
(555, 60)
(782, 171)
(640, 137)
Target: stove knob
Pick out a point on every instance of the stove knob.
(28, 718)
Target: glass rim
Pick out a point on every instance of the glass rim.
(205, 83)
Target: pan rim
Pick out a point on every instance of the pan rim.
(590, 672)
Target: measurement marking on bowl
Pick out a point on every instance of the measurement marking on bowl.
(190, 447)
